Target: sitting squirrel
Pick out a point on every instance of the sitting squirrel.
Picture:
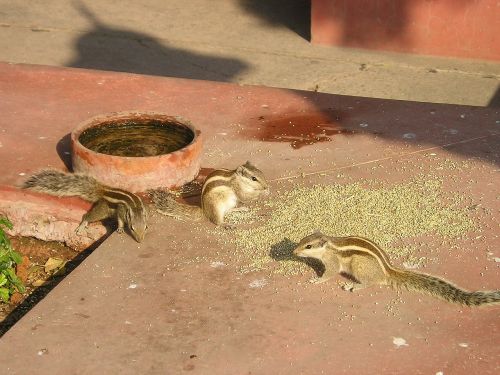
(108, 202)
(222, 191)
(362, 260)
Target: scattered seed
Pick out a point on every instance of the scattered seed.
(388, 214)
(399, 341)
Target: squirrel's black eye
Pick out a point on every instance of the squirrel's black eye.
(254, 178)
(308, 246)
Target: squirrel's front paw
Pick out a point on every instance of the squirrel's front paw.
(348, 286)
(318, 280)
(81, 229)
(119, 230)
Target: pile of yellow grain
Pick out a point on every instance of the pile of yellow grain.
(384, 215)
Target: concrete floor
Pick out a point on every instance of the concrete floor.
(162, 307)
(177, 303)
(240, 41)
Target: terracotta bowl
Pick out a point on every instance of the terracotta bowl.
(137, 151)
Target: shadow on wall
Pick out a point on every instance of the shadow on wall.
(108, 48)
(368, 23)
(293, 14)
(495, 99)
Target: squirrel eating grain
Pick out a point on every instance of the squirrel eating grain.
(222, 191)
(108, 202)
(362, 260)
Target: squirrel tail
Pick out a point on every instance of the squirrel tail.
(166, 204)
(62, 184)
(423, 283)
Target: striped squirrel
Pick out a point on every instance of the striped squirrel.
(108, 202)
(222, 191)
(367, 264)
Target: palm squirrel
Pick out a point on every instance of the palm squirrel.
(108, 202)
(222, 191)
(367, 264)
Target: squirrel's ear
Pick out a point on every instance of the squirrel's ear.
(248, 164)
(323, 241)
(240, 169)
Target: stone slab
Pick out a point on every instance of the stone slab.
(177, 303)
(239, 41)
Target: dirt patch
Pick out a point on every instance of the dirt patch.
(39, 251)
(44, 265)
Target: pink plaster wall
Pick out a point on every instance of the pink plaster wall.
(459, 28)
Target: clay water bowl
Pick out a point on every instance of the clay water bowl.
(137, 151)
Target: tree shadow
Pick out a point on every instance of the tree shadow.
(293, 14)
(362, 23)
(360, 27)
(469, 131)
(109, 48)
(495, 99)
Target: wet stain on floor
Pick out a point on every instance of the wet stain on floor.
(299, 129)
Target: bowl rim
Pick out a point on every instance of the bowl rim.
(124, 115)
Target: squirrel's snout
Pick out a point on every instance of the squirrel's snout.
(139, 237)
